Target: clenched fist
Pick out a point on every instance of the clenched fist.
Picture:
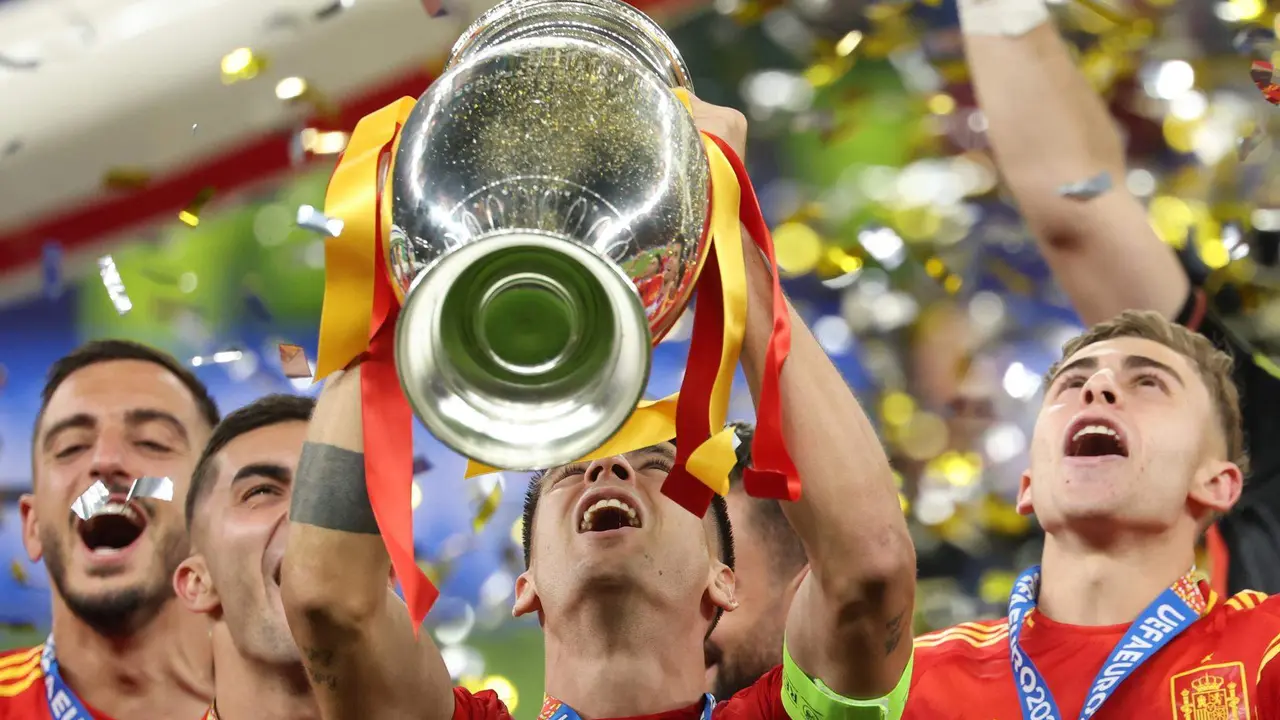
(725, 123)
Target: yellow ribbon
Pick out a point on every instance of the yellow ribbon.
(654, 422)
(349, 258)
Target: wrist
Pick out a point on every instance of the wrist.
(1010, 18)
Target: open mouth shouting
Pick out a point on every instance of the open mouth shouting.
(113, 530)
(1095, 437)
(608, 510)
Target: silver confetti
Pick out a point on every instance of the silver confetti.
(1087, 189)
(115, 286)
(334, 8)
(13, 63)
(93, 502)
(314, 220)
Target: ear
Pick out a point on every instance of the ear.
(722, 587)
(193, 585)
(1218, 487)
(1024, 494)
(30, 527)
(526, 596)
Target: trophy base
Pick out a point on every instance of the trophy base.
(523, 350)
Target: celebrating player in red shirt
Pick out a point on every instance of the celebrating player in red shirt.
(625, 612)
(236, 514)
(113, 411)
(1137, 449)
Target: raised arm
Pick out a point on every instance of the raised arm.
(1049, 128)
(353, 632)
(850, 623)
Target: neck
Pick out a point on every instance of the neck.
(247, 688)
(1085, 585)
(603, 668)
(161, 670)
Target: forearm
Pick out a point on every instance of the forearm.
(1046, 124)
(853, 612)
(353, 632)
(336, 567)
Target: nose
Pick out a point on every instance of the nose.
(616, 467)
(108, 461)
(1101, 388)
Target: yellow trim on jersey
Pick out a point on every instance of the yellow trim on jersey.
(970, 633)
(20, 658)
(1273, 649)
(20, 687)
(18, 672)
(1246, 599)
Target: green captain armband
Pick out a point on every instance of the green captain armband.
(807, 698)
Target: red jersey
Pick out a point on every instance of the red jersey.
(761, 701)
(1211, 671)
(22, 691)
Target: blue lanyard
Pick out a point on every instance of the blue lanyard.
(556, 710)
(1173, 611)
(63, 703)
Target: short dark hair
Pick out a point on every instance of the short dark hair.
(263, 412)
(101, 351)
(719, 512)
(786, 552)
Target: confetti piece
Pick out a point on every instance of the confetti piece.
(487, 508)
(94, 501)
(421, 464)
(18, 571)
(13, 63)
(51, 270)
(11, 147)
(123, 178)
(190, 215)
(1262, 73)
(194, 126)
(1252, 39)
(241, 64)
(115, 286)
(298, 147)
(218, 358)
(1087, 189)
(333, 8)
(312, 219)
(1247, 144)
(293, 359)
(434, 8)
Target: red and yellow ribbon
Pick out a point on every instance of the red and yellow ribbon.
(359, 320)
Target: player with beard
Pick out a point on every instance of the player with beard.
(237, 514)
(1137, 448)
(113, 411)
(769, 563)
(625, 582)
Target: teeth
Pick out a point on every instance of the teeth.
(1094, 430)
(588, 517)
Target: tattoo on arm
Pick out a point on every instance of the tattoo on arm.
(319, 665)
(894, 630)
(330, 492)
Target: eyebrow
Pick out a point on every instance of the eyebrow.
(1131, 362)
(133, 418)
(271, 471)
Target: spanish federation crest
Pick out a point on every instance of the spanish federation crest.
(1211, 692)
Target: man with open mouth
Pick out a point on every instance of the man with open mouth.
(625, 582)
(1137, 449)
(113, 412)
(237, 515)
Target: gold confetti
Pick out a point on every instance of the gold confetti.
(18, 571)
(126, 178)
(487, 508)
(293, 359)
(190, 215)
(241, 64)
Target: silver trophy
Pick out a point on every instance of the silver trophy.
(549, 199)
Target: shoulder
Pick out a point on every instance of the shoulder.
(977, 639)
(762, 700)
(484, 705)
(19, 671)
